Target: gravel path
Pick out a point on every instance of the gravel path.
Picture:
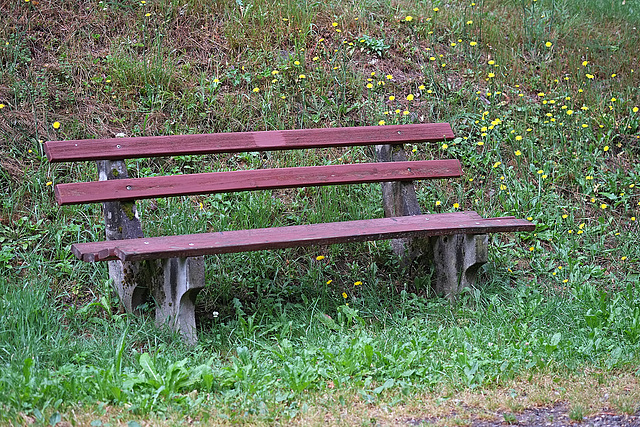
(556, 416)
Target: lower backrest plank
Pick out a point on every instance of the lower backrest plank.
(258, 179)
(294, 236)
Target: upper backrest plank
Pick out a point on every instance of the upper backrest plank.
(234, 142)
(258, 179)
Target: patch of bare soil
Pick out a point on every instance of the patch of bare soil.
(558, 415)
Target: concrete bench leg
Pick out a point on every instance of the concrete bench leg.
(398, 199)
(122, 222)
(456, 260)
(131, 284)
(176, 293)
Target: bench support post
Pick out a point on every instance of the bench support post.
(122, 222)
(398, 198)
(457, 259)
(175, 294)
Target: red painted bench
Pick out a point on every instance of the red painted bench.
(172, 267)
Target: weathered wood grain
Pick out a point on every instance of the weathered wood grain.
(258, 179)
(234, 142)
(299, 235)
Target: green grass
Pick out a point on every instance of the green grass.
(543, 97)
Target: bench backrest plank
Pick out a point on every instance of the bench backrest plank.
(257, 179)
(234, 142)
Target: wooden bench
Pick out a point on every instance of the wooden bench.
(171, 268)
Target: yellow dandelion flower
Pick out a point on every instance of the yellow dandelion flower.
(635, 109)
(409, 18)
(445, 146)
(435, 9)
(606, 148)
(256, 89)
(344, 295)
(302, 76)
(491, 75)
(49, 183)
(56, 125)
(548, 44)
(496, 164)
(381, 123)
(492, 62)
(473, 44)
(603, 206)
(1, 106)
(518, 153)
(438, 202)
(613, 99)
(569, 112)
(335, 24)
(584, 63)
(410, 97)
(358, 283)
(456, 205)
(589, 76)
(389, 77)
(519, 138)
(421, 87)
(319, 257)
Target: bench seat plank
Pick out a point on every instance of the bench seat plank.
(234, 142)
(257, 179)
(299, 235)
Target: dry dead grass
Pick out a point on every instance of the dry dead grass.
(594, 390)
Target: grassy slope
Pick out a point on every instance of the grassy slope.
(538, 137)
